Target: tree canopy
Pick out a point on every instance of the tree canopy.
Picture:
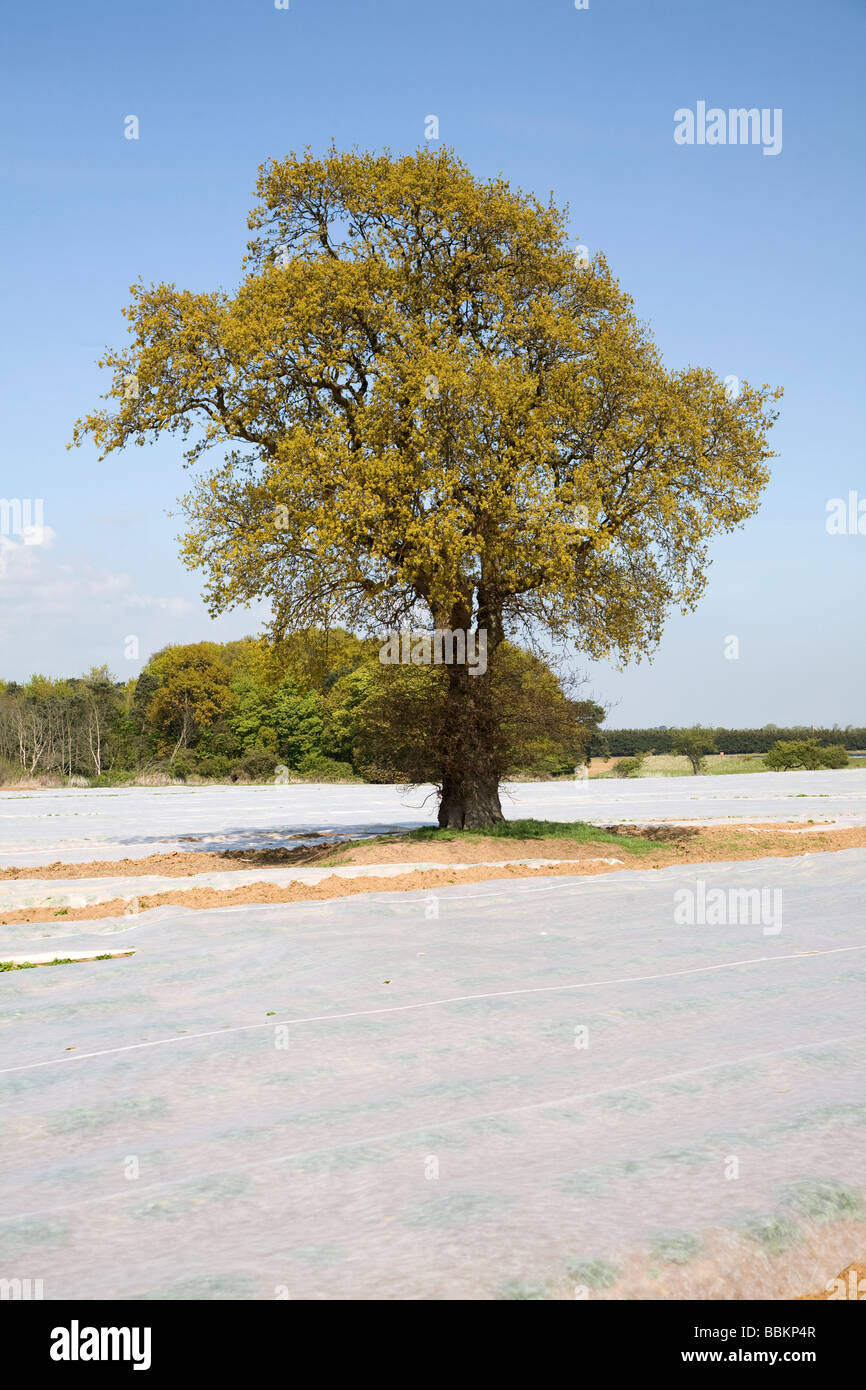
(431, 411)
(695, 743)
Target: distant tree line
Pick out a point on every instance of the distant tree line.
(320, 705)
(65, 727)
(627, 743)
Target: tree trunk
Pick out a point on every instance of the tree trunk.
(469, 803)
(469, 769)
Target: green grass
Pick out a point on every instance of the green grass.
(516, 1290)
(676, 1247)
(717, 765)
(669, 765)
(822, 1199)
(31, 965)
(58, 960)
(595, 1274)
(577, 832)
(776, 1233)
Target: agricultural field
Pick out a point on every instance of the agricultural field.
(432, 742)
(292, 1042)
(717, 764)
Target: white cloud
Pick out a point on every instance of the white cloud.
(59, 616)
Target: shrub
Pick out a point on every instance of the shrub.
(628, 767)
(258, 764)
(184, 764)
(116, 777)
(805, 753)
(834, 755)
(215, 766)
(318, 768)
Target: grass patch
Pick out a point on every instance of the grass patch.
(670, 765)
(574, 832)
(577, 832)
(775, 1233)
(676, 1247)
(594, 1274)
(58, 960)
(822, 1199)
(515, 1290)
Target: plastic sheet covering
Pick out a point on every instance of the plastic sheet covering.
(40, 827)
(408, 1096)
(83, 892)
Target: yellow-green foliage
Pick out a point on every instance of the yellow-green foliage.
(194, 692)
(429, 407)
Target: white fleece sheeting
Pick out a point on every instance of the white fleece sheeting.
(74, 826)
(82, 892)
(359, 1099)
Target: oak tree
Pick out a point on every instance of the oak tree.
(432, 412)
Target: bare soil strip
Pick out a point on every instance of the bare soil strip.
(666, 845)
(681, 845)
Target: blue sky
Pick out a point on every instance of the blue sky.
(747, 263)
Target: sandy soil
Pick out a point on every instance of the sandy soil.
(598, 765)
(667, 845)
(854, 1280)
(332, 887)
(670, 845)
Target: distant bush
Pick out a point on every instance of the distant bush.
(804, 753)
(835, 756)
(117, 777)
(215, 766)
(788, 754)
(185, 764)
(321, 769)
(259, 765)
(628, 767)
